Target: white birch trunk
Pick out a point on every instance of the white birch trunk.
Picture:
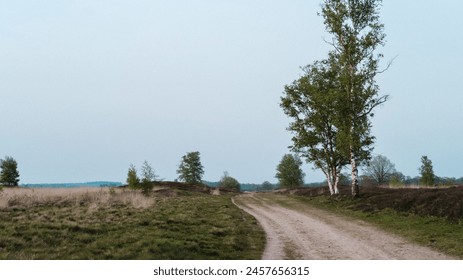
(330, 183)
(336, 182)
(332, 177)
(355, 182)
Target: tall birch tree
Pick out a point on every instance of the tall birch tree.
(356, 33)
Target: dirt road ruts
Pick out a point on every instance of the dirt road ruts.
(311, 233)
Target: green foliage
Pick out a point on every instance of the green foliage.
(148, 172)
(332, 104)
(148, 177)
(146, 182)
(228, 182)
(146, 186)
(289, 172)
(357, 34)
(426, 171)
(312, 103)
(190, 169)
(132, 178)
(9, 175)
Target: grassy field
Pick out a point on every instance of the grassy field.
(431, 217)
(183, 222)
(122, 224)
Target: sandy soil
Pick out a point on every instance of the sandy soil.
(311, 233)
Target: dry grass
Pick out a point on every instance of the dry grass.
(95, 197)
(174, 222)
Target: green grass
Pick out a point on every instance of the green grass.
(435, 232)
(185, 226)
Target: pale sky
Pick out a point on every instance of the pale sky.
(88, 87)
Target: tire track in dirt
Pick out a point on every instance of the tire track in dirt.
(311, 233)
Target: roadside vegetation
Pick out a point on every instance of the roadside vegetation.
(177, 221)
(429, 216)
(229, 183)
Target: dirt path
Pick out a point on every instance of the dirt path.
(311, 233)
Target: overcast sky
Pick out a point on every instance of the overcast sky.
(88, 87)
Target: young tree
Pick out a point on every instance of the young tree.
(289, 172)
(380, 169)
(132, 178)
(228, 182)
(190, 169)
(426, 171)
(357, 34)
(9, 175)
(312, 102)
(148, 177)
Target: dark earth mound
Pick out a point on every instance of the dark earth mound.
(184, 186)
(439, 202)
(171, 186)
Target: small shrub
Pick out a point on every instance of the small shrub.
(146, 187)
(132, 178)
(229, 183)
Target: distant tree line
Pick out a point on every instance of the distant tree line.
(378, 171)
(381, 171)
(190, 170)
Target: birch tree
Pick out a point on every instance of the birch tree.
(133, 181)
(312, 103)
(356, 35)
(149, 176)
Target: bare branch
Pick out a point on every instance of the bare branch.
(388, 65)
(378, 102)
